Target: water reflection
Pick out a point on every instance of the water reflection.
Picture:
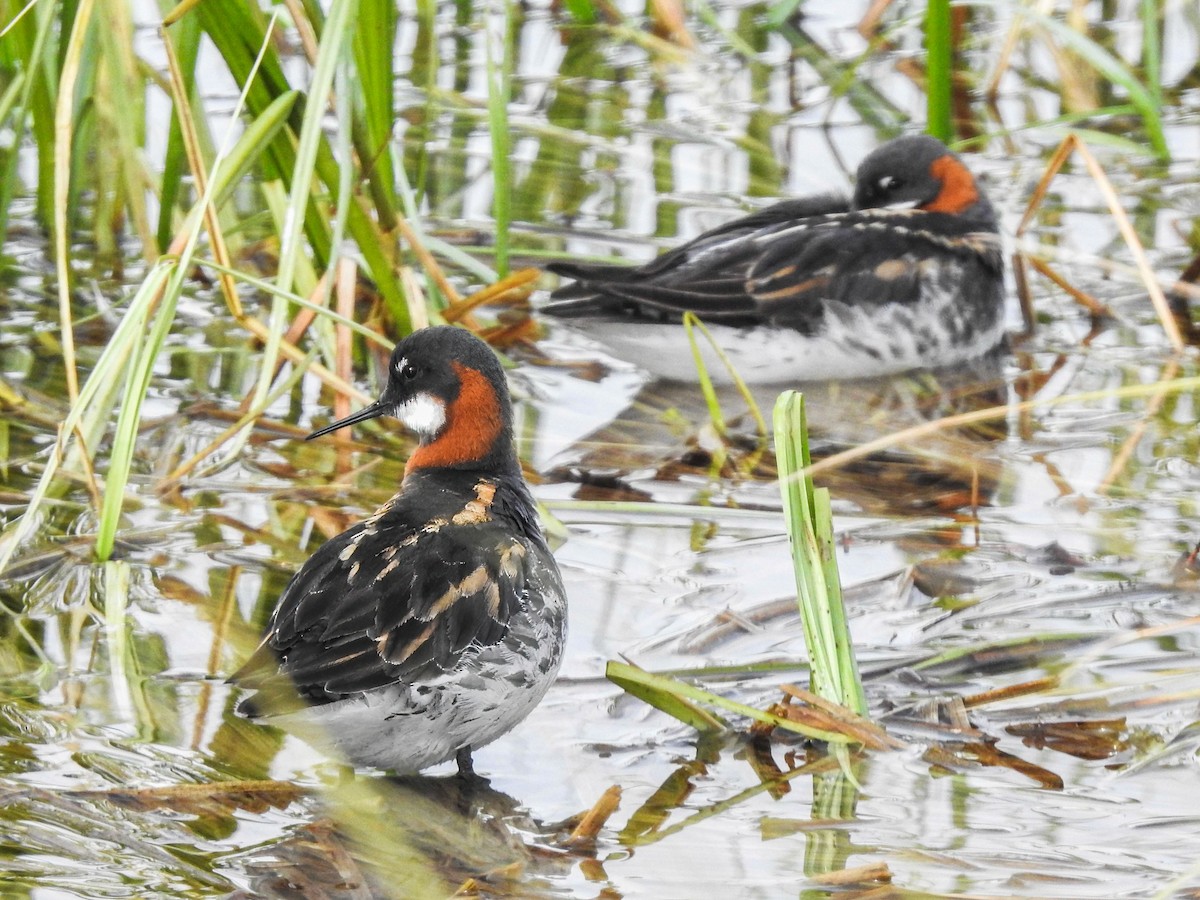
(416, 837)
(664, 434)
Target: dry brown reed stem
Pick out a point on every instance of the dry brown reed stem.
(670, 22)
(513, 287)
(975, 502)
(1060, 481)
(1008, 692)
(868, 25)
(89, 470)
(308, 37)
(1024, 298)
(1072, 144)
(1086, 300)
(191, 144)
(845, 720)
(277, 792)
(992, 91)
(857, 875)
(584, 834)
(428, 261)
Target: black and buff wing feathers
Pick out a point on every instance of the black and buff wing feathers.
(865, 259)
(705, 275)
(783, 271)
(376, 606)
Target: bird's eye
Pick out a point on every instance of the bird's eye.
(889, 182)
(406, 370)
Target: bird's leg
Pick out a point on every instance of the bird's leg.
(466, 768)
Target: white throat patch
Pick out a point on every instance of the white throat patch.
(425, 414)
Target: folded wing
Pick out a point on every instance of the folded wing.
(369, 610)
(781, 268)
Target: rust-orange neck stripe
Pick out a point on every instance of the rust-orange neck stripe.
(474, 422)
(958, 193)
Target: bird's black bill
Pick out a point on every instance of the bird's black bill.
(374, 411)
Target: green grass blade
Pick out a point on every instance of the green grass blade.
(849, 681)
(939, 70)
(499, 82)
(810, 533)
(137, 384)
(10, 102)
(691, 322)
(1152, 50)
(781, 11)
(28, 44)
(247, 152)
(120, 101)
(374, 67)
(186, 39)
(711, 402)
(582, 11)
(623, 674)
(322, 333)
(238, 31)
(334, 42)
(668, 701)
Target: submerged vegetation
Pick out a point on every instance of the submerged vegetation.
(215, 223)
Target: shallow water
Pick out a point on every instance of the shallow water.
(1044, 545)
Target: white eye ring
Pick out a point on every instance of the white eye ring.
(404, 368)
(887, 182)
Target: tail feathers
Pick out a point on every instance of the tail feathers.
(579, 297)
(719, 300)
(591, 271)
(607, 297)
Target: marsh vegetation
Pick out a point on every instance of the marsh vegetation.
(217, 219)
